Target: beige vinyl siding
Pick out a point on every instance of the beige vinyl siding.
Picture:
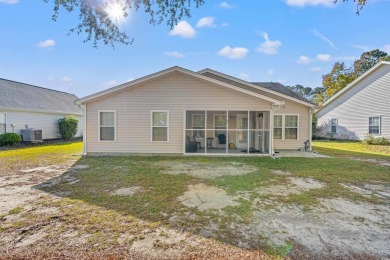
(369, 97)
(45, 121)
(303, 113)
(175, 92)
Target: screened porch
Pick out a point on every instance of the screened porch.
(227, 132)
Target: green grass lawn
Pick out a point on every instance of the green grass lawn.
(156, 201)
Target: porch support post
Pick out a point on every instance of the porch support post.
(310, 128)
(85, 129)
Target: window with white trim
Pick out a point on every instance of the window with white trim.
(291, 127)
(286, 127)
(333, 125)
(107, 125)
(278, 126)
(374, 125)
(220, 123)
(160, 125)
(198, 122)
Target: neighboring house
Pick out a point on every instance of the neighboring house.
(180, 111)
(362, 108)
(26, 106)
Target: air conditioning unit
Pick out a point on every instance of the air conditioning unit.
(32, 135)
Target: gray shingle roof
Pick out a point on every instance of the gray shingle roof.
(20, 96)
(280, 88)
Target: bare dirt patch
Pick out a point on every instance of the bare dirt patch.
(281, 173)
(337, 228)
(206, 170)
(205, 197)
(128, 192)
(374, 161)
(367, 190)
(294, 186)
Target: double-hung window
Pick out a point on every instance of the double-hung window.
(291, 127)
(286, 127)
(374, 125)
(160, 126)
(278, 127)
(220, 123)
(107, 125)
(333, 124)
(198, 122)
(2, 123)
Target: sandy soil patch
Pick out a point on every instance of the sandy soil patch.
(205, 197)
(367, 190)
(295, 186)
(206, 170)
(374, 161)
(127, 192)
(281, 173)
(338, 227)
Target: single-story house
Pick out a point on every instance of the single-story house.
(179, 111)
(362, 108)
(26, 106)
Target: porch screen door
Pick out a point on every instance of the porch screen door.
(242, 131)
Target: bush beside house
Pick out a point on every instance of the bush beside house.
(10, 139)
(67, 127)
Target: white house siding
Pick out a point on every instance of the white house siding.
(289, 108)
(45, 121)
(175, 92)
(369, 97)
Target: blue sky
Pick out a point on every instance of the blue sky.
(289, 41)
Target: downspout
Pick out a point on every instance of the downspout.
(310, 128)
(274, 108)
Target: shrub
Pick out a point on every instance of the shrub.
(10, 139)
(370, 139)
(67, 127)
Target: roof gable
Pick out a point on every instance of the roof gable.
(165, 72)
(24, 97)
(355, 82)
(261, 86)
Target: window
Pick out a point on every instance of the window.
(2, 123)
(285, 127)
(107, 122)
(278, 126)
(333, 124)
(160, 124)
(291, 127)
(374, 125)
(198, 122)
(219, 123)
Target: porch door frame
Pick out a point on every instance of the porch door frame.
(241, 130)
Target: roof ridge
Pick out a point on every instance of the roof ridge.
(37, 86)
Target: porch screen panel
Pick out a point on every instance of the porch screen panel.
(278, 126)
(198, 122)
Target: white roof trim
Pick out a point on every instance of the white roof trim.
(255, 86)
(170, 70)
(353, 83)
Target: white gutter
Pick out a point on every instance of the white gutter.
(84, 107)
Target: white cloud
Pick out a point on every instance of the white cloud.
(243, 75)
(323, 57)
(315, 69)
(233, 53)
(66, 79)
(174, 54)
(322, 37)
(224, 24)
(10, 2)
(226, 5)
(111, 83)
(47, 43)
(269, 47)
(303, 60)
(206, 22)
(386, 48)
(270, 72)
(184, 30)
(361, 47)
(310, 2)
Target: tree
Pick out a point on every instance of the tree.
(98, 18)
(340, 75)
(359, 4)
